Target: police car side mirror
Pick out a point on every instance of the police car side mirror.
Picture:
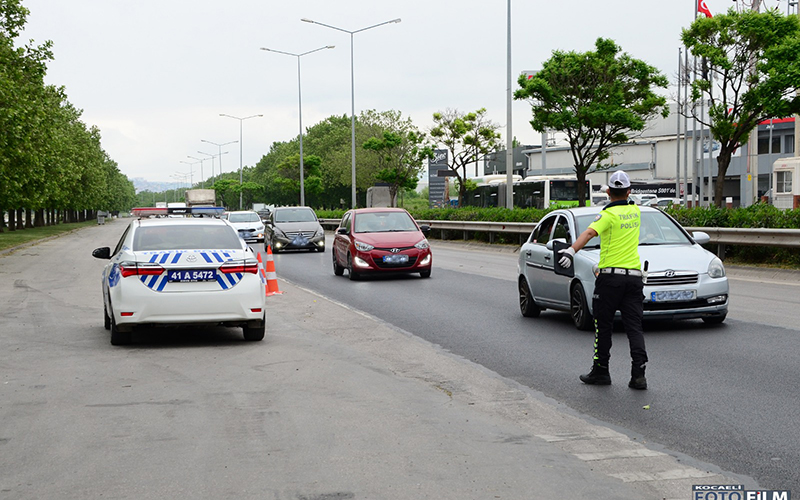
(102, 253)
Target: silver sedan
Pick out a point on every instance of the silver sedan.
(682, 279)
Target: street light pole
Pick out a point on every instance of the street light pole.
(300, 103)
(220, 152)
(240, 149)
(201, 160)
(212, 160)
(191, 180)
(352, 94)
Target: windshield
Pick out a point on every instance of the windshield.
(383, 222)
(185, 237)
(246, 217)
(656, 229)
(295, 215)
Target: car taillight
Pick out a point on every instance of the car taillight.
(139, 269)
(246, 266)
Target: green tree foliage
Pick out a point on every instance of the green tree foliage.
(49, 159)
(753, 73)
(399, 151)
(599, 99)
(468, 137)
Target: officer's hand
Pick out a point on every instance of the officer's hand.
(566, 257)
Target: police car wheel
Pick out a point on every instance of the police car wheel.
(254, 334)
(118, 337)
(106, 319)
(527, 306)
(579, 309)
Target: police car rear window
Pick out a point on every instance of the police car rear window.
(185, 237)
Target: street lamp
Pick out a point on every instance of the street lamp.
(220, 152)
(300, 101)
(191, 170)
(212, 159)
(352, 92)
(201, 160)
(240, 149)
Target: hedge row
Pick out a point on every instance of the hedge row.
(754, 216)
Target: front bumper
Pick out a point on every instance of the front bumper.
(418, 260)
(285, 243)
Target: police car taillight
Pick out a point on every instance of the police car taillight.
(245, 266)
(139, 269)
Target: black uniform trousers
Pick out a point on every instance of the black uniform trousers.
(623, 293)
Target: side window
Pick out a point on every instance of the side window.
(347, 220)
(562, 229)
(121, 240)
(541, 234)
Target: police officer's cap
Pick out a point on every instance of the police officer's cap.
(619, 180)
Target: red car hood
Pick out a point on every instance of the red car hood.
(390, 240)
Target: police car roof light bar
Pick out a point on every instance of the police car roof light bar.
(163, 211)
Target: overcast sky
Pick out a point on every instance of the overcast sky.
(154, 75)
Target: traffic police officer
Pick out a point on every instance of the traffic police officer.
(619, 283)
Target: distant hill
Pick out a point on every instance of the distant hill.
(156, 187)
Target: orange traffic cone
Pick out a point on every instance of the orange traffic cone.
(271, 275)
(261, 272)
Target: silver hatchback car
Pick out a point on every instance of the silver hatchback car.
(682, 279)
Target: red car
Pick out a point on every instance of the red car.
(380, 240)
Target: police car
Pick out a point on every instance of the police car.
(683, 280)
(181, 271)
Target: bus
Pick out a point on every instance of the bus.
(536, 191)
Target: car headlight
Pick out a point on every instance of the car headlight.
(716, 269)
(363, 247)
(320, 232)
(278, 232)
(422, 245)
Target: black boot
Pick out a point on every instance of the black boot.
(598, 376)
(638, 380)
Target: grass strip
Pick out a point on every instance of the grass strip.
(10, 239)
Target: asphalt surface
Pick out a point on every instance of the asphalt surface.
(334, 403)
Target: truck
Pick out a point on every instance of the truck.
(379, 196)
(200, 197)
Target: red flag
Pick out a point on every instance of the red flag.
(702, 8)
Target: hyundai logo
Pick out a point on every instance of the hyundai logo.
(394, 250)
(670, 273)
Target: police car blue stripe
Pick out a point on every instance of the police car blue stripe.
(218, 257)
(162, 282)
(154, 257)
(164, 258)
(176, 258)
(221, 282)
(205, 256)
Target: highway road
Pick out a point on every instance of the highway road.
(724, 394)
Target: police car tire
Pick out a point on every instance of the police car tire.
(715, 320)
(337, 269)
(527, 306)
(254, 334)
(579, 309)
(118, 337)
(106, 319)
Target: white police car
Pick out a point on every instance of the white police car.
(179, 271)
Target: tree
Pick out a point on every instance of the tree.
(399, 152)
(599, 99)
(468, 137)
(753, 59)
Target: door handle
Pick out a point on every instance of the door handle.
(547, 257)
(528, 253)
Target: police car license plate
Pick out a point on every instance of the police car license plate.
(395, 259)
(190, 275)
(673, 296)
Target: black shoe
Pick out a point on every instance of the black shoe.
(638, 380)
(598, 376)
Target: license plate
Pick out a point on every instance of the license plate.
(300, 241)
(190, 275)
(673, 296)
(395, 259)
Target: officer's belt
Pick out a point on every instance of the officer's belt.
(620, 270)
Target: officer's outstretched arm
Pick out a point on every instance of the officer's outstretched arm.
(584, 238)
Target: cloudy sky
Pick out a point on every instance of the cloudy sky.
(154, 75)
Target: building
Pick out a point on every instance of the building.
(660, 155)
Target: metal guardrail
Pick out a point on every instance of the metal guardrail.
(786, 238)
